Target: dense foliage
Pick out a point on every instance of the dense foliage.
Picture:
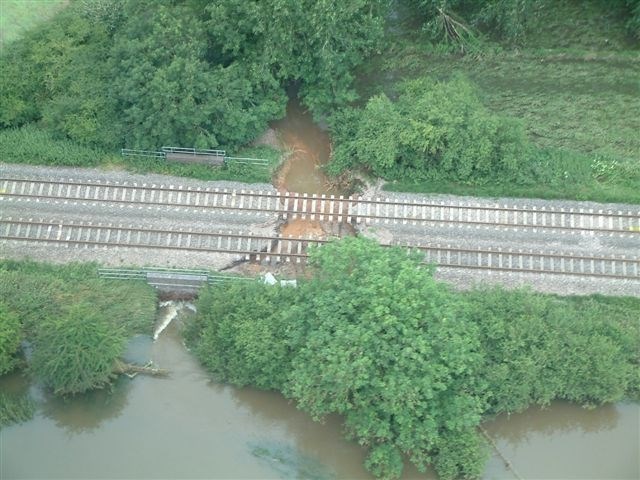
(75, 323)
(252, 333)
(434, 130)
(143, 73)
(32, 145)
(75, 352)
(10, 337)
(412, 366)
(15, 409)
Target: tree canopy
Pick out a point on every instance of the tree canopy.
(412, 366)
(142, 73)
(392, 350)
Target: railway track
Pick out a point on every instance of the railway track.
(371, 211)
(286, 249)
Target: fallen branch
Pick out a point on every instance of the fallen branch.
(507, 463)
(132, 370)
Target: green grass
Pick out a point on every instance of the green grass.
(585, 192)
(563, 174)
(31, 145)
(18, 16)
(575, 84)
(39, 291)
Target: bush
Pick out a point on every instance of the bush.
(434, 130)
(539, 348)
(15, 409)
(10, 337)
(76, 322)
(76, 352)
(239, 333)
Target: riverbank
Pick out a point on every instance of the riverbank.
(173, 423)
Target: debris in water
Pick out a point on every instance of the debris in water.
(288, 462)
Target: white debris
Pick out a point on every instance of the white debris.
(269, 279)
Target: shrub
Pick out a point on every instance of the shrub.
(15, 409)
(76, 352)
(434, 130)
(10, 337)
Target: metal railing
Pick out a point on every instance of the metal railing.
(128, 152)
(195, 152)
(258, 162)
(142, 274)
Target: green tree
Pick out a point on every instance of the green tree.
(385, 345)
(314, 43)
(240, 334)
(76, 352)
(170, 92)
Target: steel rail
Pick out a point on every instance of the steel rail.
(288, 205)
(628, 263)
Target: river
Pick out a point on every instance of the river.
(187, 426)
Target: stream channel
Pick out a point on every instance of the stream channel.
(187, 426)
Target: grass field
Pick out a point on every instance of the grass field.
(574, 83)
(18, 16)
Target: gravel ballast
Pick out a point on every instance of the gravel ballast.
(268, 224)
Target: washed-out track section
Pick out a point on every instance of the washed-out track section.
(370, 211)
(287, 249)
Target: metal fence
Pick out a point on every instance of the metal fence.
(196, 153)
(127, 152)
(153, 275)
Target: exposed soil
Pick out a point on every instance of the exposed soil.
(303, 228)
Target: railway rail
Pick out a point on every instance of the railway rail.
(288, 249)
(360, 210)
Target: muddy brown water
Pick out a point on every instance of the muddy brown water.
(187, 426)
(309, 147)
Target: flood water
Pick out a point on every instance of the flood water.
(187, 426)
(183, 426)
(309, 148)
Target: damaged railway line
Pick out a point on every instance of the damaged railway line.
(410, 219)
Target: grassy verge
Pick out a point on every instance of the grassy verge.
(564, 174)
(574, 84)
(76, 323)
(38, 291)
(31, 145)
(18, 16)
